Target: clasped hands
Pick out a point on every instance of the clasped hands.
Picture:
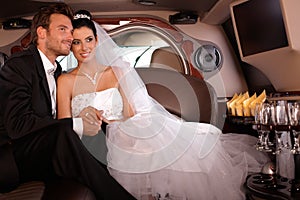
(92, 120)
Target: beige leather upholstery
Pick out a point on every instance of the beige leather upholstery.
(166, 58)
(186, 96)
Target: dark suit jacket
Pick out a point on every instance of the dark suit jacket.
(25, 105)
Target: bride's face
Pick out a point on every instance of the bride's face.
(83, 45)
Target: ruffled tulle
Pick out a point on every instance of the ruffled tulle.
(154, 154)
(211, 165)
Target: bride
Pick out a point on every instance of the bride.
(151, 153)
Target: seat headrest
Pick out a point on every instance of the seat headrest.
(166, 58)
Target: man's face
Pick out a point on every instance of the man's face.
(59, 37)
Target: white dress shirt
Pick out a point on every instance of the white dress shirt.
(48, 66)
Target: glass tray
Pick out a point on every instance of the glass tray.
(240, 119)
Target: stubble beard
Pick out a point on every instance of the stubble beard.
(58, 49)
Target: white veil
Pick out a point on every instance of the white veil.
(153, 138)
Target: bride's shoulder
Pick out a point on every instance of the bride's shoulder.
(108, 69)
(110, 73)
(65, 78)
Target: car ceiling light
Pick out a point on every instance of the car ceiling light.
(147, 2)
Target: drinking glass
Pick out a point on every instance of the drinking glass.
(281, 122)
(257, 121)
(266, 122)
(294, 118)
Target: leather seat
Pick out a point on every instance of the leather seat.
(166, 58)
(188, 97)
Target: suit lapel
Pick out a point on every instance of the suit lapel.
(41, 73)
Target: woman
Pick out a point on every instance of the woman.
(150, 151)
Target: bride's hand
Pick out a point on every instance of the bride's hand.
(107, 121)
(92, 120)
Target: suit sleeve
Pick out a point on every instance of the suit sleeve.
(24, 104)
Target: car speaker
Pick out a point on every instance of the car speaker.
(207, 58)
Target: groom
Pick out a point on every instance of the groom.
(33, 144)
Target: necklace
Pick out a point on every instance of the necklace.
(94, 79)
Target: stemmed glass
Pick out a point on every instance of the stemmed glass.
(266, 123)
(257, 121)
(262, 117)
(294, 118)
(281, 122)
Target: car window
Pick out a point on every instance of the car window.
(139, 46)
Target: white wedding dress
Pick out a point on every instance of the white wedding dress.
(193, 161)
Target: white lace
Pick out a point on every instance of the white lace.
(110, 101)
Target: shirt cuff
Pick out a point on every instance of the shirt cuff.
(78, 126)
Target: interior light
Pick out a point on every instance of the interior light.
(147, 2)
(124, 22)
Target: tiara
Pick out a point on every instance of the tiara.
(82, 16)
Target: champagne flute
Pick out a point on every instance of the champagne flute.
(294, 117)
(257, 121)
(266, 120)
(281, 122)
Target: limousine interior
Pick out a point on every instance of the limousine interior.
(194, 56)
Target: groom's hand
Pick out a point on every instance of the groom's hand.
(92, 120)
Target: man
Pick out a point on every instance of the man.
(33, 144)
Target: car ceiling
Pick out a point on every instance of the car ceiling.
(210, 11)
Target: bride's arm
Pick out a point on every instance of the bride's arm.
(127, 109)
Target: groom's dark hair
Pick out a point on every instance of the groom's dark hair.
(42, 18)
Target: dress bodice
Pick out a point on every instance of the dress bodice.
(109, 100)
